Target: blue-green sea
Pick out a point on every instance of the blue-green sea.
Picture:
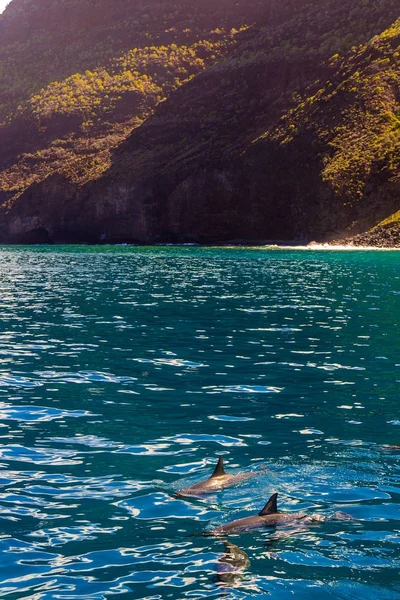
(125, 372)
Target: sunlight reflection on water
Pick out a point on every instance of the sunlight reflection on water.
(125, 372)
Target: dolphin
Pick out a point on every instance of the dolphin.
(231, 565)
(218, 481)
(271, 517)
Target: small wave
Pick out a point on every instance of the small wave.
(310, 431)
(84, 377)
(222, 440)
(94, 489)
(335, 367)
(338, 247)
(288, 416)
(150, 448)
(38, 413)
(58, 536)
(230, 418)
(19, 382)
(245, 389)
(172, 362)
(162, 506)
(39, 456)
(92, 441)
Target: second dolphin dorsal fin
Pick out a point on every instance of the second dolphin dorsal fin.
(219, 469)
(270, 508)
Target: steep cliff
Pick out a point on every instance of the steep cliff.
(246, 122)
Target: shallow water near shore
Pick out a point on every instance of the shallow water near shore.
(126, 371)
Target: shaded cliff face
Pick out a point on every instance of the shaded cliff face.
(272, 139)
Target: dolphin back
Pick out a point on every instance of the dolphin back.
(219, 469)
(270, 508)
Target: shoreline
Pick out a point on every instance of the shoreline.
(256, 245)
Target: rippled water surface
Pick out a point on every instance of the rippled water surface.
(125, 372)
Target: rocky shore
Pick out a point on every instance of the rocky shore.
(384, 236)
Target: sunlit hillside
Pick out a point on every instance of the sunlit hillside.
(164, 91)
(75, 79)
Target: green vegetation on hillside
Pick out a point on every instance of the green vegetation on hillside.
(152, 72)
(392, 220)
(355, 116)
(42, 41)
(95, 110)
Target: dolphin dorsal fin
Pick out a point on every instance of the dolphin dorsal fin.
(219, 469)
(270, 508)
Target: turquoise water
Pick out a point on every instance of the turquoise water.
(125, 372)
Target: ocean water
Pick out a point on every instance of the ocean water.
(126, 372)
